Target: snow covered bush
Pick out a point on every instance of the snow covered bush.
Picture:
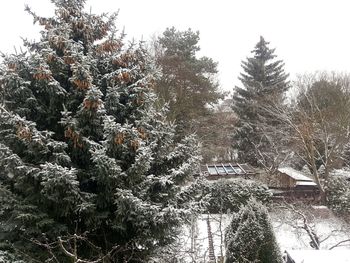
(250, 236)
(7, 257)
(89, 168)
(338, 195)
(228, 195)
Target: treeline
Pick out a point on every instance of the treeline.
(269, 121)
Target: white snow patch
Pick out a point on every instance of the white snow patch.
(320, 256)
(305, 183)
(328, 227)
(344, 172)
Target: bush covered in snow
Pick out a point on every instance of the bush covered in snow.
(338, 194)
(9, 258)
(250, 236)
(223, 196)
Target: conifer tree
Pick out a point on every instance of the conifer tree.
(264, 83)
(250, 236)
(187, 83)
(89, 170)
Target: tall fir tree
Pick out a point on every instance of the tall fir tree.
(250, 236)
(187, 84)
(89, 170)
(264, 83)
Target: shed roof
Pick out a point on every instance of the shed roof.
(296, 175)
(304, 183)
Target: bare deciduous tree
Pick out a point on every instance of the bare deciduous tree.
(305, 222)
(316, 127)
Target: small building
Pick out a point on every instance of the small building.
(292, 179)
(292, 183)
(227, 170)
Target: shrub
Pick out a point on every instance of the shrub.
(250, 236)
(224, 196)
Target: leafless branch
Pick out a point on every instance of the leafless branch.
(339, 243)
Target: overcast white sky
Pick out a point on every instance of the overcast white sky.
(308, 35)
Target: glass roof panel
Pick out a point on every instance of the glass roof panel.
(212, 170)
(221, 170)
(238, 170)
(229, 169)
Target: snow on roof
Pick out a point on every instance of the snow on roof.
(296, 175)
(305, 183)
(323, 207)
(320, 256)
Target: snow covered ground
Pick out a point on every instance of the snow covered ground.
(320, 256)
(291, 235)
(287, 225)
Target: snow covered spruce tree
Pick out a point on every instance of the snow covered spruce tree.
(250, 236)
(89, 171)
(264, 83)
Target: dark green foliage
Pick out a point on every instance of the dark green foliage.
(264, 83)
(338, 195)
(224, 196)
(89, 169)
(250, 236)
(187, 83)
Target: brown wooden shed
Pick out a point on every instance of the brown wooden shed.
(292, 184)
(292, 179)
